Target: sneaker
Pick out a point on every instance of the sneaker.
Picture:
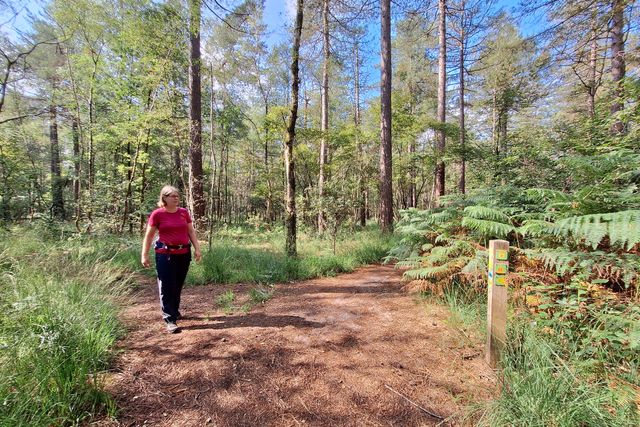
(172, 328)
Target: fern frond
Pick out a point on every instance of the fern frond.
(536, 228)
(545, 194)
(434, 272)
(409, 263)
(475, 266)
(442, 238)
(442, 217)
(483, 212)
(414, 229)
(426, 247)
(623, 228)
(529, 216)
(561, 260)
(558, 206)
(488, 228)
(621, 268)
(630, 176)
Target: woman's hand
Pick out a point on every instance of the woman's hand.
(194, 241)
(145, 261)
(146, 244)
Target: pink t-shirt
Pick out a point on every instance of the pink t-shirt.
(172, 227)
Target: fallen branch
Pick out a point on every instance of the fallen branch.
(415, 404)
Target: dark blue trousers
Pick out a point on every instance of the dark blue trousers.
(172, 270)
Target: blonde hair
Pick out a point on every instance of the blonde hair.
(166, 191)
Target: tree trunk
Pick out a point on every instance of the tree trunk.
(442, 87)
(92, 154)
(362, 218)
(494, 133)
(227, 197)
(57, 199)
(196, 185)
(143, 186)
(131, 174)
(221, 172)
(386, 176)
(75, 136)
(412, 193)
(592, 86)
(324, 122)
(503, 117)
(617, 62)
(177, 169)
(306, 99)
(127, 194)
(463, 155)
(212, 157)
(78, 145)
(269, 202)
(290, 193)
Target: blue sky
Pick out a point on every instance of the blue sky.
(278, 13)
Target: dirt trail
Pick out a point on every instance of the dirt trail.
(352, 350)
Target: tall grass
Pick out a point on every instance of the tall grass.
(468, 308)
(544, 379)
(248, 257)
(58, 327)
(542, 385)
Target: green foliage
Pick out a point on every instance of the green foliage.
(443, 261)
(244, 256)
(488, 228)
(225, 302)
(486, 213)
(58, 328)
(622, 228)
(432, 249)
(543, 388)
(622, 269)
(418, 228)
(260, 295)
(566, 369)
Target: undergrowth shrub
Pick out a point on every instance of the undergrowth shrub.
(574, 269)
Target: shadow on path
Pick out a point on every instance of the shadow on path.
(255, 320)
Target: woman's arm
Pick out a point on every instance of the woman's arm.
(194, 241)
(146, 243)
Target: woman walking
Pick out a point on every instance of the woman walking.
(173, 251)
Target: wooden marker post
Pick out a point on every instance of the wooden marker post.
(497, 302)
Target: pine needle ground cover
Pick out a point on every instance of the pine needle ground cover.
(574, 346)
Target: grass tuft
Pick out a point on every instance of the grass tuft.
(260, 295)
(58, 328)
(225, 302)
(543, 387)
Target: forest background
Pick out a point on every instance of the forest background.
(454, 122)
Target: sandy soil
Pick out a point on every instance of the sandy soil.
(353, 350)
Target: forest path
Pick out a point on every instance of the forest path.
(351, 350)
